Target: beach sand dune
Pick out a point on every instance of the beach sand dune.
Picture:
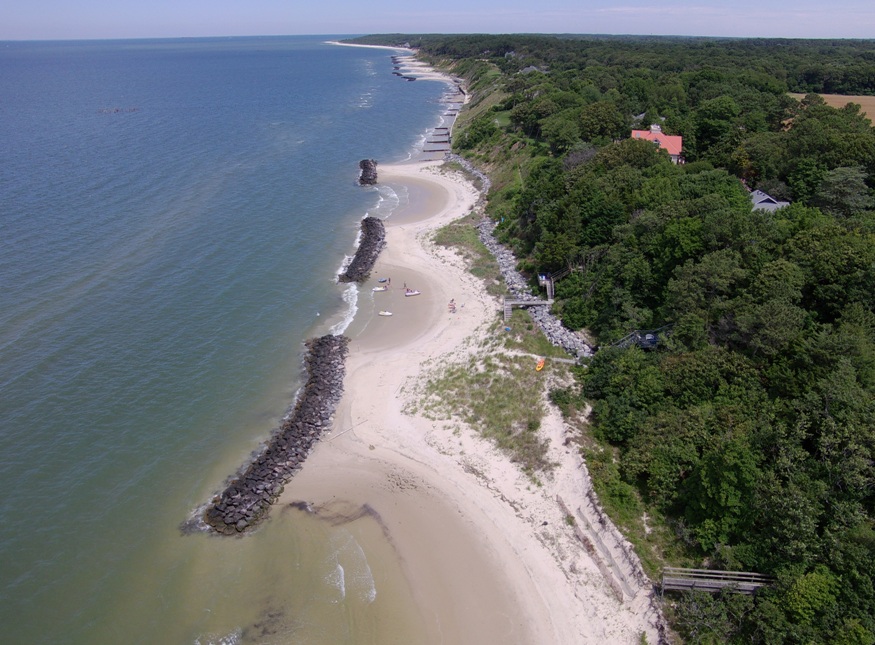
(487, 555)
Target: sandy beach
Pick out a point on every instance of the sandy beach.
(487, 556)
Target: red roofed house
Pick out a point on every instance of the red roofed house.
(672, 144)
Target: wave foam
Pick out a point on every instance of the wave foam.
(350, 297)
(233, 638)
(357, 575)
(337, 580)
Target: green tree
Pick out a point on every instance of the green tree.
(628, 385)
(839, 268)
(602, 121)
(810, 595)
(717, 494)
(561, 132)
(480, 130)
(843, 192)
(704, 287)
(804, 178)
(716, 127)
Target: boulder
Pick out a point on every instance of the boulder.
(368, 174)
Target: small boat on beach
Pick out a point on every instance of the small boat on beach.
(385, 313)
(412, 292)
(383, 288)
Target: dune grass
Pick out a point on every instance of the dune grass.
(499, 396)
(462, 235)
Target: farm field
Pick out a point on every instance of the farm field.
(841, 100)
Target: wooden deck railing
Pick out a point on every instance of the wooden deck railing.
(674, 579)
(510, 303)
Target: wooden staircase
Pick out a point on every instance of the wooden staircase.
(510, 304)
(674, 579)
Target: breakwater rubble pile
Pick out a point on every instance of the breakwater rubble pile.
(552, 328)
(247, 498)
(373, 240)
(368, 174)
(397, 63)
(485, 183)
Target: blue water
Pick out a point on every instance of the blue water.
(172, 217)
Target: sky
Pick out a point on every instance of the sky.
(87, 19)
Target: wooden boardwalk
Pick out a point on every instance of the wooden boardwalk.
(711, 581)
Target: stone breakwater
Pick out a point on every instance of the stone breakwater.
(373, 241)
(368, 174)
(485, 183)
(247, 498)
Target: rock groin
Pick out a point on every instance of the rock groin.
(373, 241)
(368, 174)
(247, 498)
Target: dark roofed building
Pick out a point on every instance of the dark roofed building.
(763, 202)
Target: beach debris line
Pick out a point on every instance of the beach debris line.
(247, 498)
(373, 240)
(368, 174)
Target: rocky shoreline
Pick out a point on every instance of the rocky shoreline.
(552, 328)
(247, 498)
(373, 241)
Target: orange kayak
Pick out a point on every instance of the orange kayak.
(540, 364)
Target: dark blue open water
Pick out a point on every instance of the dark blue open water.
(172, 216)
